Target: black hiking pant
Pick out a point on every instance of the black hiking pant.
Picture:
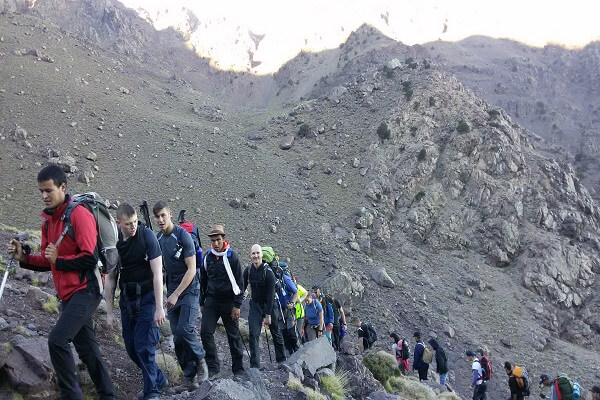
(336, 339)
(423, 372)
(255, 323)
(290, 338)
(75, 325)
(212, 311)
(479, 392)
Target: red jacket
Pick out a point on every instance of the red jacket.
(77, 257)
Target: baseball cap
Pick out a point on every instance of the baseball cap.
(470, 353)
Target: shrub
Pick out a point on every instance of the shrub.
(304, 130)
(168, 364)
(411, 388)
(448, 396)
(294, 384)
(422, 155)
(51, 306)
(413, 130)
(389, 72)
(463, 127)
(419, 196)
(35, 282)
(336, 385)
(383, 131)
(382, 365)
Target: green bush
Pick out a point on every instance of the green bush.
(463, 127)
(419, 196)
(382, 365)
(448, 396)
(411, 388)
(51, 306)
(383, 131)
(413, 130)
(336, 385)
(304, 130)
(422, 154)
(168, 364)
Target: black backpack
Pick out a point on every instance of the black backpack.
(371, 334)
(405, 353)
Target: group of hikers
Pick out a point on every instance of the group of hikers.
(214, 284)
(561, 387)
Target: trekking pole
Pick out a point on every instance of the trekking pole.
(8, 268)
(268, 347)
(244, 343)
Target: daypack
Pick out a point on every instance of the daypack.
(269, 255)
(405, 354)
(192, 229)
(486, 368)
(371, 334)
(108, 234)
(427, 355)
(564, 387)
(522, 379)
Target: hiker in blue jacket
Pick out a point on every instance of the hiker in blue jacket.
(418, 364)
(313, 312)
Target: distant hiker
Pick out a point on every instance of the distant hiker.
(486, 364)
(221, 282)
(287, 294)
(299, 306)
(141, 302)
(314, 324)
(339, 321)
(77, 282)
(478, 383)
(518, 382)
(261, 280)
(595, 392)
(366, 334)
(562, 387)
(441, 361)
(183, 289)
(418, 363)
(327, 311)
(401, 351)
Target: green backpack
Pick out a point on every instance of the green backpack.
(564, 385)
(269, 255)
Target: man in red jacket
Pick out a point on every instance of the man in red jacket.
(73, 267)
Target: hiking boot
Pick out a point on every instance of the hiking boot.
(202, 373)
(161, 389)
(187, 384)
(240, 376)
(212, 374)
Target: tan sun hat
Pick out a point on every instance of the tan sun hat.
(216, 230)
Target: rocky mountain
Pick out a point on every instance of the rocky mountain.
(374, 170)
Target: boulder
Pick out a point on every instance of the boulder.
(287, 142)
(361, 382)
(28, 367)
(347, 288)
(383, 395)
(381, 277)
(313, 355)
(67, 163)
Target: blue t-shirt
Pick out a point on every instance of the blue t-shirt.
(312, 310)
(287, 293)
(176, 247)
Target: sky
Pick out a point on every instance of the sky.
(314, 25)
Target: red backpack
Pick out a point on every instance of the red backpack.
(486, 367)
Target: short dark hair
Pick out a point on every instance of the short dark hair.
(159, 206)
(355, 319)
(481, 352)
(595, 389)
(395, 336)
(52, 172)
(125, 209)
(508, 366)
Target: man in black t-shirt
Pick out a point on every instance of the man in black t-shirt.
(141, 297)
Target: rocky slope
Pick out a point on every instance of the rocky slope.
(457, 224)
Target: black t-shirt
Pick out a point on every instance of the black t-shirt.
(136, 253)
